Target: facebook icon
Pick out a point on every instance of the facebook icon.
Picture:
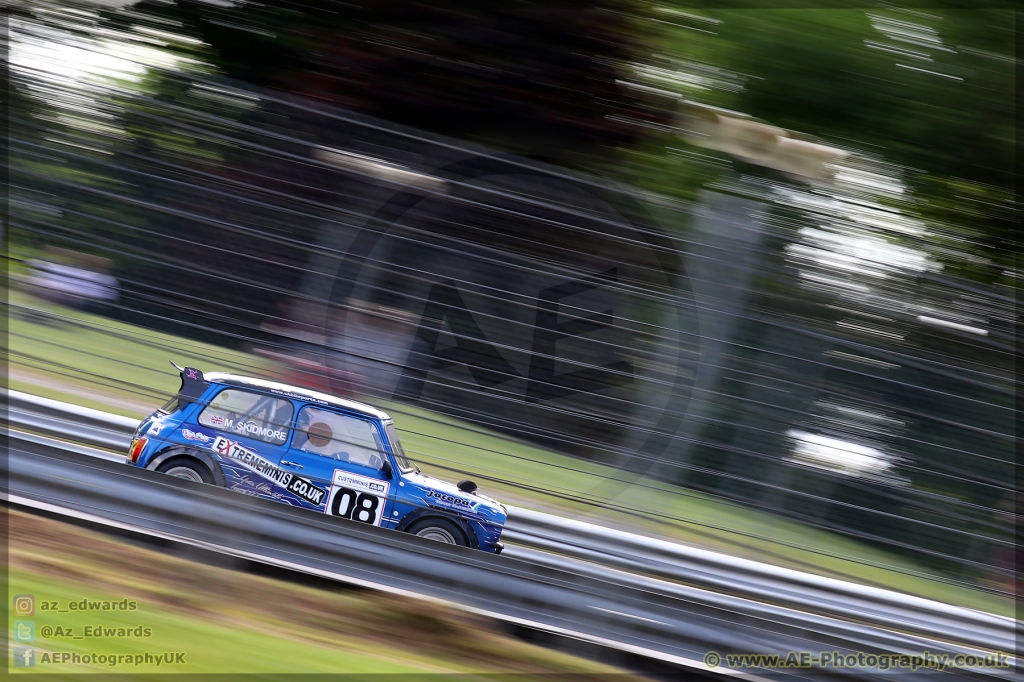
(24, 656)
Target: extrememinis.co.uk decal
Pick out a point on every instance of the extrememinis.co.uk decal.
(303, 487)
(359, 498)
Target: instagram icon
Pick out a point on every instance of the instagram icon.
(24, 605)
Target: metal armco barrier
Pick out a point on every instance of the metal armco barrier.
(756, 580)
(608, 590)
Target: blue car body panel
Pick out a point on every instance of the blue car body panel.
(282, 472)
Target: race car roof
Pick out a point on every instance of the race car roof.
(295, 392)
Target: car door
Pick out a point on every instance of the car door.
(250, 432)
(345, 453)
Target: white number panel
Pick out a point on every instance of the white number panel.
(359, 498)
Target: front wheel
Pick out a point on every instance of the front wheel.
(440, 530)
(186, 468)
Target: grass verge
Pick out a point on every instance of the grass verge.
(225, 621)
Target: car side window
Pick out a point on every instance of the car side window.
(249, 414)
(337, 436)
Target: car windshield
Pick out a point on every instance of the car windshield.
(396, 447)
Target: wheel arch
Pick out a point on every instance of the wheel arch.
(426, 513)
(206, 458)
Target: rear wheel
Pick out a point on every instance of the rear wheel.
(440, 530)
(186, 468)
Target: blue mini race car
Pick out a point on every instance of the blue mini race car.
(310, 450)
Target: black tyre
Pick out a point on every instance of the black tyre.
(441, 530)
(186, 468)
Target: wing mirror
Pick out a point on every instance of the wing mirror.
(385, 469)
(467, 487)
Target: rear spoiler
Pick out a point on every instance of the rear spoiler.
(193, 384)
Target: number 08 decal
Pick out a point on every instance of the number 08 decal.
(358, 498)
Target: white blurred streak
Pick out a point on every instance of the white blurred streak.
(842, 457)
(885, 219)
(870, 329)
(898, 50)
(382, 170)
(863, 413)
(686, 15)
(166, 35)
(833, 284)
(952, 325)
(863, 180)
(675, 77)
(110, 4)
(857, 358)
(989, 55)
(908, 32)
(680, 79)
(934, 73)
(234, 98)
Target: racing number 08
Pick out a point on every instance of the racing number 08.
(356, 506)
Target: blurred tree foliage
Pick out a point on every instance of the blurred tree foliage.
(538, 79)
(931, 91)
(928, 96)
